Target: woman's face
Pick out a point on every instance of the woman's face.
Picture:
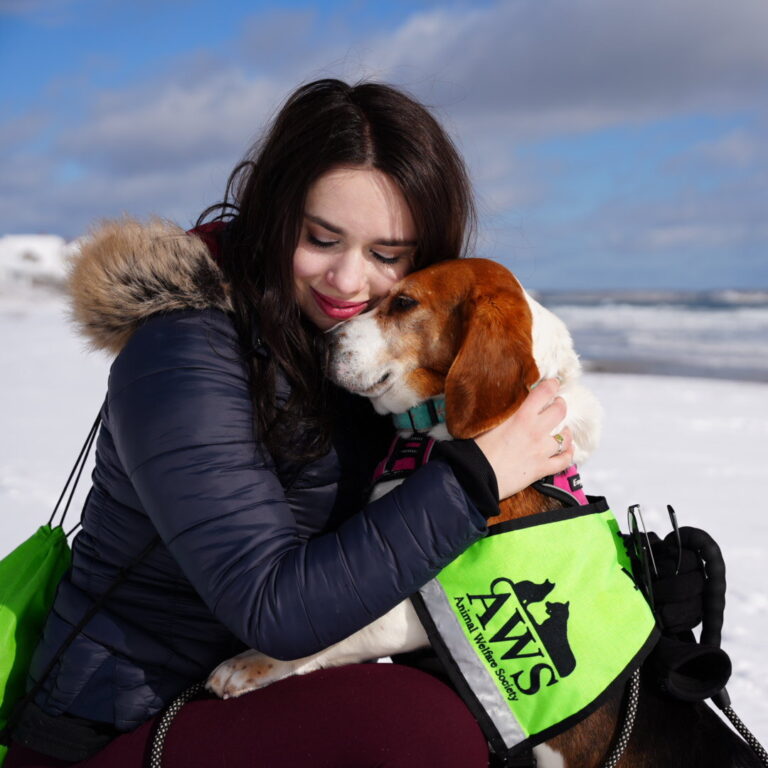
(357, 240)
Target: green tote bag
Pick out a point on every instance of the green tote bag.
(29, 578)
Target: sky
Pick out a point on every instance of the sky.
(613, 144)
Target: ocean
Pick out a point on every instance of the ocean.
(716, 334)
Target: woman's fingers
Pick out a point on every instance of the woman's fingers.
(541, 395)
(544, 403)
(526, 447)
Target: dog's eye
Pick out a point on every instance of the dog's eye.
(402, 302)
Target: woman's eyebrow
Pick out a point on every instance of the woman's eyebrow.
(323, 223)
(339, 231)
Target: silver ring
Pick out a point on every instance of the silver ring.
(560, 440)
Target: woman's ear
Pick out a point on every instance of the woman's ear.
(494, 367)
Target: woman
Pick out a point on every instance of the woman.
(220, 434)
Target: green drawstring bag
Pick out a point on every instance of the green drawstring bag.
(29, 578)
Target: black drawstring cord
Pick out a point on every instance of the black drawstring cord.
(77, 470)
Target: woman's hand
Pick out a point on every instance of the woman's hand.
(522, 449)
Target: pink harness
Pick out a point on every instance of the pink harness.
(569, 481)
(407, 454)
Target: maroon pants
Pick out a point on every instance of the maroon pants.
(359, 716)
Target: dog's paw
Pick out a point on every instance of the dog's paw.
(246, 672)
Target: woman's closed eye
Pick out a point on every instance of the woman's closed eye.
(321, 243)
(384, 259)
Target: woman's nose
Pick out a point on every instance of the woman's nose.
(347, 273)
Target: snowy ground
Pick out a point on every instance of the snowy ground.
(698, 444)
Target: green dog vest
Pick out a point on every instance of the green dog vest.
(538, 622)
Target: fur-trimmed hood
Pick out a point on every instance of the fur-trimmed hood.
(127, 270)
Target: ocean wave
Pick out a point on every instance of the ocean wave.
(679, 338)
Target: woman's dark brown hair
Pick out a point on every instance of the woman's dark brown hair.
(323, 125)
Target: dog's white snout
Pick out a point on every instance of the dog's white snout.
(362, 362)
(358, 359)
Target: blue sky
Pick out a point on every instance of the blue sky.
(613, 144)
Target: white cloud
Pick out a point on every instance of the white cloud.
(560, 65)
(520, 70)
(500, 77)
(137, 131)
(17, 131)
(738, 148)
(727, 218)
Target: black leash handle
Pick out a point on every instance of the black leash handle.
(712, 621)
(714, 587)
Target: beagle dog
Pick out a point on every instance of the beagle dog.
(465, 329)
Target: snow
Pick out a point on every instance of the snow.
(33, 260)
(698, 444)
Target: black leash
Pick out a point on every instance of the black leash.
(628, 721)
(155, 757)
(723, 702)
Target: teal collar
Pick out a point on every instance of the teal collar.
(422, 417)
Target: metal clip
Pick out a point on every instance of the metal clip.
(642, 549)
(673, 519)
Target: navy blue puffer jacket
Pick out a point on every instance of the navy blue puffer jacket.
(253, 553)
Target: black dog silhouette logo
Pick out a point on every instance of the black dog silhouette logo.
(510, 630)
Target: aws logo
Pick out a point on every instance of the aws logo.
(515, 628)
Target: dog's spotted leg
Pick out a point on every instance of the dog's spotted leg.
(247, 671)
(397, 631)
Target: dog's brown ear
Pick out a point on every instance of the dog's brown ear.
(494, 368)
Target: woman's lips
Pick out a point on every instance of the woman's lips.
(337, 309)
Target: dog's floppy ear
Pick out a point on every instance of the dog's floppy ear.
(494, 367)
